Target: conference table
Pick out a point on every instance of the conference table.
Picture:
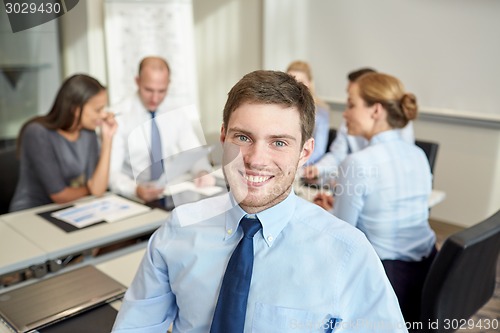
(17, 252)
(30, 240)
(308, 192)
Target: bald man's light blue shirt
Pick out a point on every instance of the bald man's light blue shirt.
(310, 270)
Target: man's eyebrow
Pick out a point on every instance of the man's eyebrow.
(283, 136)
(274, 136)
(238, 129)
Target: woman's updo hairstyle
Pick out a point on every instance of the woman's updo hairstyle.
(387, 90)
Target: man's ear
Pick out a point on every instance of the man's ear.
(306, 151)
(222, 134)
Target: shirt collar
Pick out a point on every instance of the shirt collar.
(273, 219)
(385, 136)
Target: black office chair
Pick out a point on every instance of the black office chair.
(9, 174)
(462, 277)
(6, 143)
(430, 149)
(332, 133)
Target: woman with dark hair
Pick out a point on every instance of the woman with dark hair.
(59, 153)
(384, 188)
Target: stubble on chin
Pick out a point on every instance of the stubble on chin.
(254, 200)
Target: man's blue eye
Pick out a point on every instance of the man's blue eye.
(280, 144)
(242, 138)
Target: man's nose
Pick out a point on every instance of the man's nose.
(256, 155)
(156, 97)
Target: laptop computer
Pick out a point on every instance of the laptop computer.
(45, 302)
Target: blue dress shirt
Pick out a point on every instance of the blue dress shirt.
(320, 134)
(310, 270)
(383, 190)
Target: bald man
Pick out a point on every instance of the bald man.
(132, 172)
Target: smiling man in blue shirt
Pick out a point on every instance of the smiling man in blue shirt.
(311, 272)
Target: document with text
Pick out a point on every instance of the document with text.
(108, 209)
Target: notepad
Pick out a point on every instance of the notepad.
(51, 300)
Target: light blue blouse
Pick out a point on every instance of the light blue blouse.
(383, 190)
(345, 144)
(320, 134)
(311, 271)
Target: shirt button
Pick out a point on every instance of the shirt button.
(270, 239)
(229, 231)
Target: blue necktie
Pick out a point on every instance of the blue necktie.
(156, 154)
(229, 316)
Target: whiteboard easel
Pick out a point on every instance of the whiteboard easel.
(135, 29)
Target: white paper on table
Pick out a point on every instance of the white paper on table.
(109, 209)
(190, 186)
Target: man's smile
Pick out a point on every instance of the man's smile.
(255, 179)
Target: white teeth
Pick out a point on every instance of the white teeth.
(256, 179)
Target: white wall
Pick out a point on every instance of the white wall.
(467, 169)
(82, 39)
(446, 51)
(228, 35)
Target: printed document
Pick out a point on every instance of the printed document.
(109, 209)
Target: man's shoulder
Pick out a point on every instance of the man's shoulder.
(325, 224)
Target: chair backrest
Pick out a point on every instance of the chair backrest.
(462, 278)
(9, 174)
(332, 133)
(430, 149)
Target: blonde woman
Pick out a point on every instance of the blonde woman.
(302, 72)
